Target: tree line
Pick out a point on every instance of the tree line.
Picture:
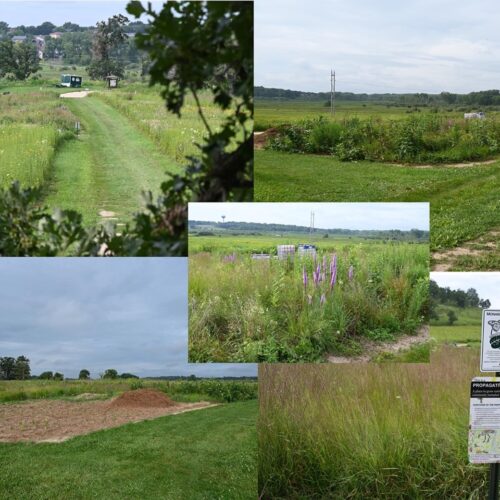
(258, 227)
(480, 98)
(458, 298)
(12, 368)
(106, 49)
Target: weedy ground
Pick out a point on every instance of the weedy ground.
(246, 310)
(370, 431)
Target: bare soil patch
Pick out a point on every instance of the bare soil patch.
(56, 420)
(260, 138)
(75, 95)
(372, 349)
(447, 165)
(446, 259)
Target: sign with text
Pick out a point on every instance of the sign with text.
(490, 341)
(484, 423)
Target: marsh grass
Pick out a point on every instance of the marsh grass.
(246, 310)
(368, 431)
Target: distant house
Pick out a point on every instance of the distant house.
(19, 38)
(56, 35)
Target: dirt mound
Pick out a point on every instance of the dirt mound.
(142, 398)
(260, 138)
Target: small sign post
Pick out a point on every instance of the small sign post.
(490, 341)
(484, 424)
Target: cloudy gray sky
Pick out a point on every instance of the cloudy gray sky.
(486, 284)
(130, 314)
(384, 46)
(402, 216)
(82, 12)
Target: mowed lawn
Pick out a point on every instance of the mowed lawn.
(464, 201)
(205, 454)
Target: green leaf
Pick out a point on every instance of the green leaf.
(135, 8)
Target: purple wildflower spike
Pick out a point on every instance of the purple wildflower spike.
(304, 277)
(333, 278)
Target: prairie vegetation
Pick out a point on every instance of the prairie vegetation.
(248, 310)
(429, 138)
(387, 431)
(181, 390)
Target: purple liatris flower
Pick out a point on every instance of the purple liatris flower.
(351, 273)
(322, 300)
(317, 275)
(333, 278)
(304, 277)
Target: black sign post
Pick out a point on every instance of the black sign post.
(494, 475)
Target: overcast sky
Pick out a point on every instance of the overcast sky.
(402, 216)
(129, 314)
(486, 284)
(82, 12)
(384, 46)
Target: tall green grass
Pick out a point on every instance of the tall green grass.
(31, 127)
(368, 431)
(214, 390)
(254, 311)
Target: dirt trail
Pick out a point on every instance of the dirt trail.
(76, 95)
(480, 247)
(56, 421)
(373, 349)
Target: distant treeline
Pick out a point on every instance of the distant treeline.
(458, 298)
(206, 227)
(481, 98)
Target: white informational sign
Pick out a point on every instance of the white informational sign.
(490, 341)
(484, 423)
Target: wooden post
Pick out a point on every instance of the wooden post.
(494, 474)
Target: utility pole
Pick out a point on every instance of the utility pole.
(311, 225)
(223, 218)
(332, 92)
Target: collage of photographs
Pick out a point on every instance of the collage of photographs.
(249, 250)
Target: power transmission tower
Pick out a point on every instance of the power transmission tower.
(332, 92)
(311, 224)
(223, 218)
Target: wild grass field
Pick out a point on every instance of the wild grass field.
(201, 455)
(247, 310)
(370, 431)
(181, 390)
(402, 165)
(128, 142)
(466, 330)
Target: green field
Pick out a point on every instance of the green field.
(185, 391)
(246, 310)
(128, 142)
(464, 201)
(466, 330)
(201, 455)
(354, 431)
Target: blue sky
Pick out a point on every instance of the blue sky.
(402, 216)
(82, 12)
(384, 46)
(129, 314)
(486, 284)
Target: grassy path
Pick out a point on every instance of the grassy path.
(199, 455)
(464, 201)
(107, 167)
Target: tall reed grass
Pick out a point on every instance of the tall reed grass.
(279, 310)
(368, 431)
